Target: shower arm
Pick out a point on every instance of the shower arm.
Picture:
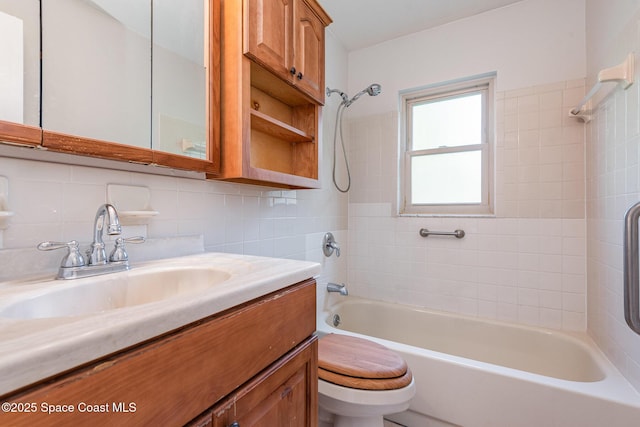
(345, 98)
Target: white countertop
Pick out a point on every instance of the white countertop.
(34, 349)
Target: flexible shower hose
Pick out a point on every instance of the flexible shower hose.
(338, 130)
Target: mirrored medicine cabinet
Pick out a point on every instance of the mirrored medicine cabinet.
(127, 80)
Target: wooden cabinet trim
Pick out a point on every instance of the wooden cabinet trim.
(320, 13)
(20, 134)
(65, 143)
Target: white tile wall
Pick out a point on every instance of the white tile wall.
(526, 264)
(613, 185)
(529, 271)
(540, 152)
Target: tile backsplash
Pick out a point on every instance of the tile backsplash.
(58, 202)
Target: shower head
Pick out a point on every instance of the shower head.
(373, 90)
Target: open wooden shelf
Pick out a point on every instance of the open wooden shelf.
(278, 129)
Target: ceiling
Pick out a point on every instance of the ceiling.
(362, 23)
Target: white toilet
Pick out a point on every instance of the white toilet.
(359, 381)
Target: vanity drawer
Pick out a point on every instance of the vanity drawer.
(175, 377)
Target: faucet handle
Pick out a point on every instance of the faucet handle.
(119, 253)
(73, 258)
(329, 245)
(335, 246)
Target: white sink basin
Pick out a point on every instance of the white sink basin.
(109, 292)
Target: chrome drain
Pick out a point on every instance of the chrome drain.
(336, 320)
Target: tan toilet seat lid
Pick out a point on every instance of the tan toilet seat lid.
(360, 363)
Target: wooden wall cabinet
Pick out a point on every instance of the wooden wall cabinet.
(214, 372)
(272, 91)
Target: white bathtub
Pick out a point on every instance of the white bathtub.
(472, 372)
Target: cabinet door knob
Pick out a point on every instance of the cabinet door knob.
(299, 76)
(293, 71)
(235, 424)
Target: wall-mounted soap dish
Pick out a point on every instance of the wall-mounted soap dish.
(4, 219)
(5, 213)
(132, 202)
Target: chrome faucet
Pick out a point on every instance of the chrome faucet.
(73, 264)
(334, 287)
(96, 255)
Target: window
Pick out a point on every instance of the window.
(447, 139)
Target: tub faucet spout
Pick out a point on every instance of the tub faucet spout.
(334, 287)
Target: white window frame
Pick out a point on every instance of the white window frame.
(484, 84)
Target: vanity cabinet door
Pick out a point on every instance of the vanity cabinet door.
(283, 395)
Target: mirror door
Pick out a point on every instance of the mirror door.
(20, 71)
(96, 62)
(179, 121)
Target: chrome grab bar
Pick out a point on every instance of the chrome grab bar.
(631, 273)
(458, 234)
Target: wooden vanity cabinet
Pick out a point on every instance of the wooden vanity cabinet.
(272, 91)
(256, 361)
